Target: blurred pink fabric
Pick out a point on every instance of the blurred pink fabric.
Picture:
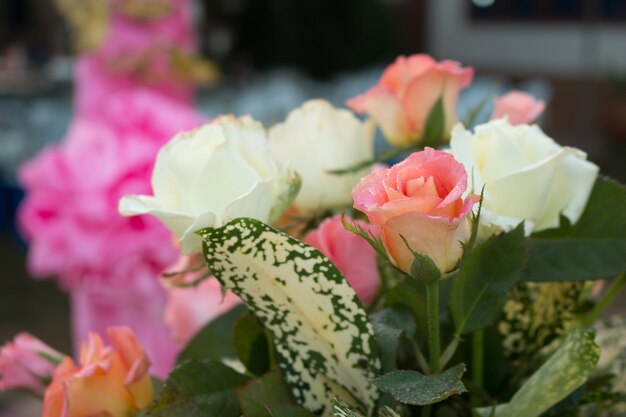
(110, 264)
(135, 53)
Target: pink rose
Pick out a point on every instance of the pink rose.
(26, 363)
(353, 256)
(420, 199)
(520, 107)
(406, 92)
(108, 381)
(189, 309)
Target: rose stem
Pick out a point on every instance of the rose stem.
(432, 302)
(478, 355)
(608, 297)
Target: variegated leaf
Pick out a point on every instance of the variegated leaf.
(566, 370)
(324, 339)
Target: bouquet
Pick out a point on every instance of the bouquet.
(464, 280)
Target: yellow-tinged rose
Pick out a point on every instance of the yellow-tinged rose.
(110, 381)
(527, 175)
(215, 173)
(317, 138)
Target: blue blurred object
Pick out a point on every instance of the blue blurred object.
(10, 197)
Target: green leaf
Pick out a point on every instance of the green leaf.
(341, 409)
(389, 325)
(476, 111)
(251, 344)
(423, 268)
(324, 340)
(214, 341)
(412, 387)
(199, 389)
(290, 189)
(435, 125)
(480, 287)
(375, 241)
(269, 396)
(404, 294)
(566, 370)
(592, 248)
(387, 412)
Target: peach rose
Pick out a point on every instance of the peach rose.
(518, 106)
(108, 381)
(353, 256)
(401, 101)
(420, 199)
(27, 363)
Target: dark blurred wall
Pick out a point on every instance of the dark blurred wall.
(322, 37)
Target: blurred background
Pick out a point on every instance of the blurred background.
(274, 54)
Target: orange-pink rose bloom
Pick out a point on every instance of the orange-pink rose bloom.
(420, 199)
(401, 101)
(353, 256)
(520, 107)
(109, 381)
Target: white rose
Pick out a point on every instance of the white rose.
(317, 138)
(210, 175)
(527, 175)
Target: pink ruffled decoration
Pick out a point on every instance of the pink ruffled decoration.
(130, 44)
(109, 263)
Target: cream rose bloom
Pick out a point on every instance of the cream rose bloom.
(527, 175)
(210, 175)
(317, 138)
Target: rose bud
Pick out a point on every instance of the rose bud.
(27, 363)
(407, 91)
(108, 380)
(519, 107)
(419, 205)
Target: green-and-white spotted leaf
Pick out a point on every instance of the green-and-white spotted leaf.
(324, 339)
(566, 370)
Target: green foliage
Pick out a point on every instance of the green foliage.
(423, 268)
(389, 326)
(324, 340)
(214, 341)
(566, 370)
(290, 189)
(480, 287)
(199, 389)
(433, 135)
(251, 344)
(407, 295)
(412, 387)
(592, 248)
(341, 409)
(374, 240)
(269, 396)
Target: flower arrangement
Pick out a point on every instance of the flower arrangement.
(462, 282)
